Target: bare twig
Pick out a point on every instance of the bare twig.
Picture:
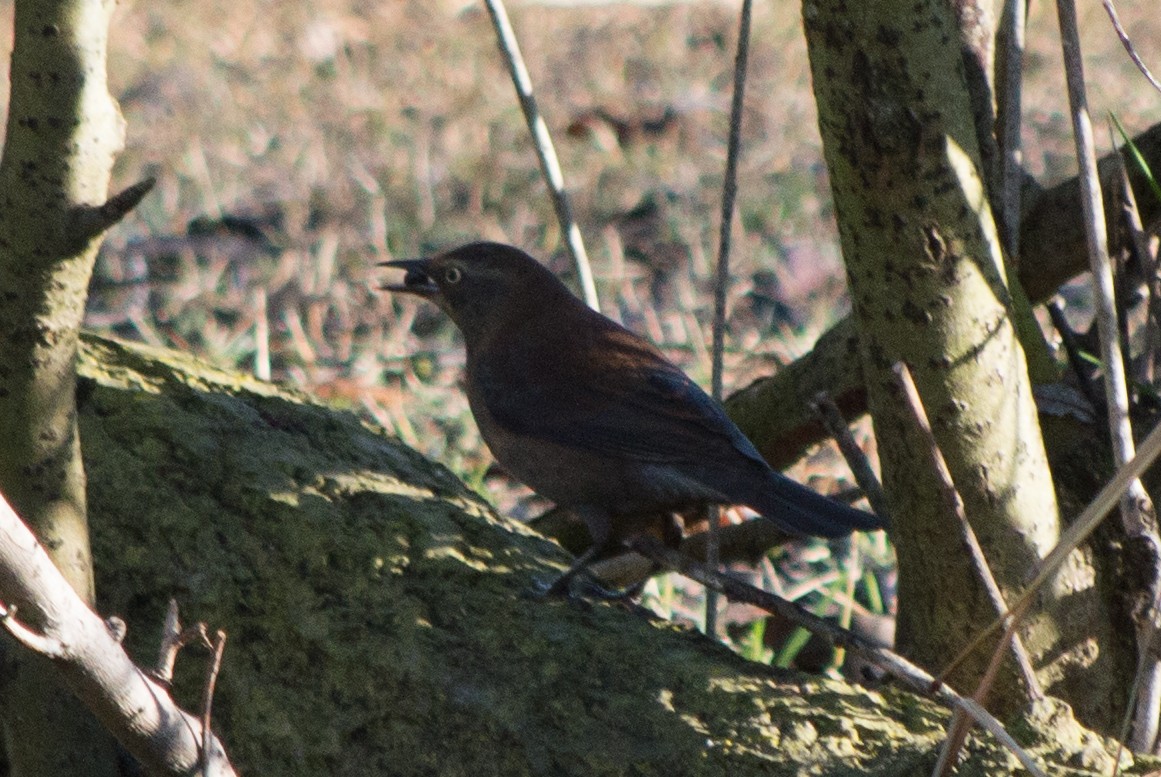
(1127, 42)
(729, 194)
(1011, 104)
(1144, 679)
(1138, 244)
(1077, 532)
(261, 335)
(545, 152)
(1076, 361)
(219, 648)
(170, 644)
(898, 667)
(954, 506)
(34, 641)
(713, 517)
(832, 418)
(1097, 237)
(92, 664)
(87, 222)
(1144, 682)
(960, 724)
(1136, 509)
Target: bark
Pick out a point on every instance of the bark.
(63, 133)
(929, 288)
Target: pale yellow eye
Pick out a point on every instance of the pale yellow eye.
(453, 274)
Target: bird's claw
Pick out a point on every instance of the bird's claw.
(581, 587)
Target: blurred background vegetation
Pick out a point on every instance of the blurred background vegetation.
(298, 144)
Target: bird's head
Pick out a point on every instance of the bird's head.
(480, 285)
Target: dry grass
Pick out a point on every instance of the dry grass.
(336, 134)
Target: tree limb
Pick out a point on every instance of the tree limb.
(88, 221)
(58, 625)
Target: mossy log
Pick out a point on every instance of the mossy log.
(379, 619)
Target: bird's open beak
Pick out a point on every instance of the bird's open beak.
(417, 280)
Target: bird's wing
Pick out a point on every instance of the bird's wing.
(620, 398)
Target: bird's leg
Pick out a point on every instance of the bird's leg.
(671, 534)
(561, 585)
(600, 526)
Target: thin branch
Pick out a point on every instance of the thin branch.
(960, 724)
(729, 194)
(898, 667)
(261, 335)
(1145, 681)
(545, 152)
(954, 506)
(92, 664)
(1009, 141)
(1072, 349)
(832, 418)
(219, 648)
(1127, 42)
(34, 641)
(88, 222)
(1077, 532)
(1138, 245)
(170, 644)
(1137, 513)
(1116, 393)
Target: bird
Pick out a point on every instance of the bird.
(593, 417)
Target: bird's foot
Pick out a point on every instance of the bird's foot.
(577, 586)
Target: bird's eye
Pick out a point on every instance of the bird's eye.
(453, 274)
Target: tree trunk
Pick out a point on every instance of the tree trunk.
(63, 133)
(929, 289)
(774, 412)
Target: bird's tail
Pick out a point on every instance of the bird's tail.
(799, 510)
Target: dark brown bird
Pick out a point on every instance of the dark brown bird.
(593, 417)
